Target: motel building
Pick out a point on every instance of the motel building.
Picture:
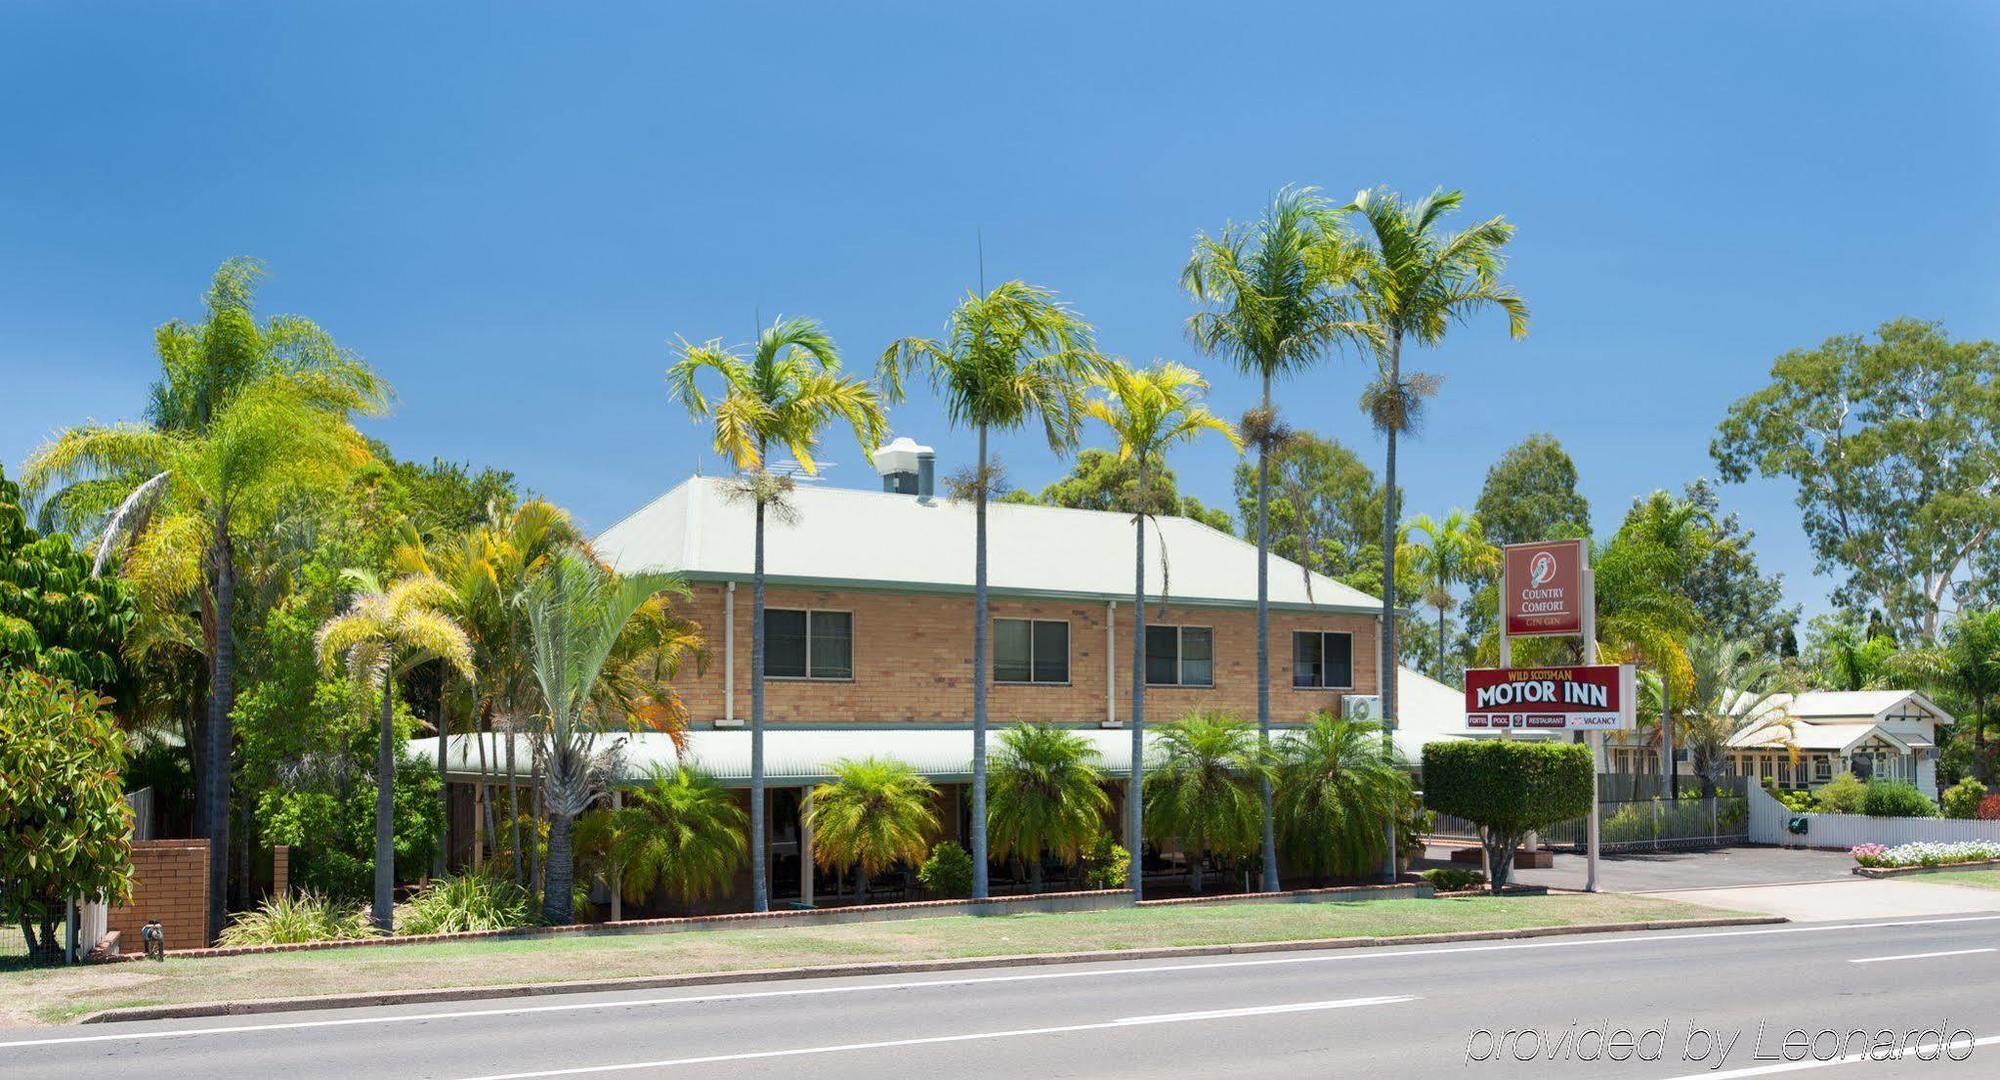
(868, 643)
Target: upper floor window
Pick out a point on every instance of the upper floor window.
(808, 644)
(1030, 651)
(1322, 660)
(1180, 656)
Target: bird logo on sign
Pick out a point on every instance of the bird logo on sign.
(1542, 570)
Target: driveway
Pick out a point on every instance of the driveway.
(1671, 871)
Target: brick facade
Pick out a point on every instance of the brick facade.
(169, 883)
(913, 660)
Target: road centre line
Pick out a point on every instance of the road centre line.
(975, 1036)
(1334, 956)
(1918, 956)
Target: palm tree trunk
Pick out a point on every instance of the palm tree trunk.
(979, 677)
(1135, 802)
(221, 701)
(385, 810)
(1034, 872)
(537, 865)
(514, 810)
(1390, 660)
(443, 856)
(557, 909)
(760, 895)
(1270, 882)
(1194, 868)
(481, 727)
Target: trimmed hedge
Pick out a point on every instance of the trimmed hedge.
(1509, 788)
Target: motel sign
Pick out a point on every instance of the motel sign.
(1586, 697)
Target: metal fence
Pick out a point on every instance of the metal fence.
(1640, 823)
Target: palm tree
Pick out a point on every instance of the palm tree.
(1275, 299)
(383, 634)
(1413, 283)
(1048, 796)
(876, 813)
(1966, 663)
(1734, 691)
(1337, 786)
(1012, 357)
(1205, 790)
(1148, 410)
(1853, 658)
(680, 832)
(208, 491)
(580, 615)
(786, 392)
(1452, 552)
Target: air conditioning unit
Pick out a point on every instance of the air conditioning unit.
(1366, 708)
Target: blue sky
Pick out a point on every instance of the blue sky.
(511, 210)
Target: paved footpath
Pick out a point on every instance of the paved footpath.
(1410, 1011)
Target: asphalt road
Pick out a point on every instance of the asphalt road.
(1415, 1011)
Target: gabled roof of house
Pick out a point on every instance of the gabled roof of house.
(1837, 706)
(1841, 719)
(843, 537)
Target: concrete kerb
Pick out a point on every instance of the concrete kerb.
(1906, 871)
(835, 971)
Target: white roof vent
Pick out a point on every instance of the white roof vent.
(906, 467)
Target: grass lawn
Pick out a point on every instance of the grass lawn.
(54, 995)
(1978, 879)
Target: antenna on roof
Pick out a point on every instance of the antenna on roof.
(790, 467)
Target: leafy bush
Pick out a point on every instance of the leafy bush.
(1888, 798)
(1961, 800)
(1508, 787)
(1925, 854)
(1844, 795)
(1453, 879)
(1989, 807)
(947, 874)
(297, 919)
(462, 902)
(1106, 864)
(62, 811)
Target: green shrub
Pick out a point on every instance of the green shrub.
(1508, 787)
(297, 919)
(1844, 795)
(1889, 798)
(1106, 864)
(1961, 800)
(462, 902)
(1453, 879)
(947, 874)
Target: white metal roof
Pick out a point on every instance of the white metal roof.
(1826, 705)
(703, 529)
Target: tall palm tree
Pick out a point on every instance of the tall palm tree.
(1048, 796)
(1733, 692)
(383, 635)
(1853, 658)
(1205, 790)
(579, 619)
(1967, 664)
(786, 391)
(1148, 410)
(209, 490)
(1275, 303)
(1415, 281)
(1012, 357)
(1337, 786)
(876, 813)
(1451, 552)
(681, 833)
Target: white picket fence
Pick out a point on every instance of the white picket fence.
(1770, 820)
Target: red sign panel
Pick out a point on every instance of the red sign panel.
(1594, 698)
(1544, 589)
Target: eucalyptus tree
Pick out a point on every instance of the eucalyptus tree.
(1148, 411)
(1338, 784)
(785, 391)
(1012, 357)
(1275, 302)
(1048, 796)
(877, 812)
(1450, 552)
(1204, 792)
(580, 620)
(383, 634)
(269, 444)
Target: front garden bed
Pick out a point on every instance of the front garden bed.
(1877, 860)
(1903, 871)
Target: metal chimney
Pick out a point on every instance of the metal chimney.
(907, 468)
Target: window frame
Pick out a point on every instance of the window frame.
(1322, 685)
(1180, 657)
(1069, 652)
(809, 612)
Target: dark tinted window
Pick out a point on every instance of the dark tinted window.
(1163, 655)
(1030, 650)
(785, 644)
(832, 652)
(1052, 652)
(1322, 659)
(1197, 656)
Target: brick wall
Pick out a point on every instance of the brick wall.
(169, 883)
(913, 661)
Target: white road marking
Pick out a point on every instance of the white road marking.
(1334, 956)
(1801, 1066)
(1919, 955)
(974, 1036)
